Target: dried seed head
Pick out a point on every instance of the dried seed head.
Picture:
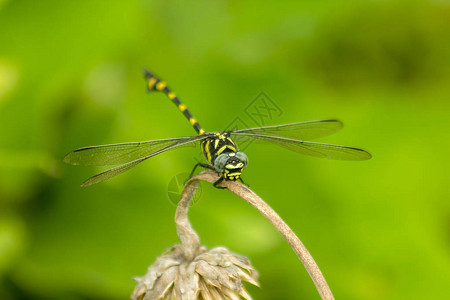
(212, 274)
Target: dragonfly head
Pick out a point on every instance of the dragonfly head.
(230, 164)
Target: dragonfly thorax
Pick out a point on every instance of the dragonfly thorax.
(230, 164)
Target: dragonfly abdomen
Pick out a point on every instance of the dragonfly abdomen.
(154, 83)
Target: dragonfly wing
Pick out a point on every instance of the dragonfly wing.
(314, 149)
(111, 173)
(120, 169)
(300, 130)
(116, 154)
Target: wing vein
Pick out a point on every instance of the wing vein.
(122, 168)
(329, 151)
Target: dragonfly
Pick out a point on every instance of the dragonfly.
(220, 148)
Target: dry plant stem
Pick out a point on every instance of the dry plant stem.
(191, 271)
(190, 239)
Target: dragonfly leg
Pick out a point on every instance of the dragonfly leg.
(206, 166)
(215, 184)
(240, 179)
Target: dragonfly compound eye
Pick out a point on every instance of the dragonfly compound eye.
(221, 161)
(242, 157)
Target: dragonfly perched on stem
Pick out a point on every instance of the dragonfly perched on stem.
(219, 148)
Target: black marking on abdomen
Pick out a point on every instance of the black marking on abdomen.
(156, 84)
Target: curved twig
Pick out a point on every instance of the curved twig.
(190, 239)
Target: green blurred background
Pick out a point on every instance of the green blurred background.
(70, 76)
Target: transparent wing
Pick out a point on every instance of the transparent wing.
(311, 148)
(116, 154)
(130, 164)
(111, 173)
(308, 130)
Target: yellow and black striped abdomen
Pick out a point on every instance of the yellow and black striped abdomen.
(154, 83)
(217, 144)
